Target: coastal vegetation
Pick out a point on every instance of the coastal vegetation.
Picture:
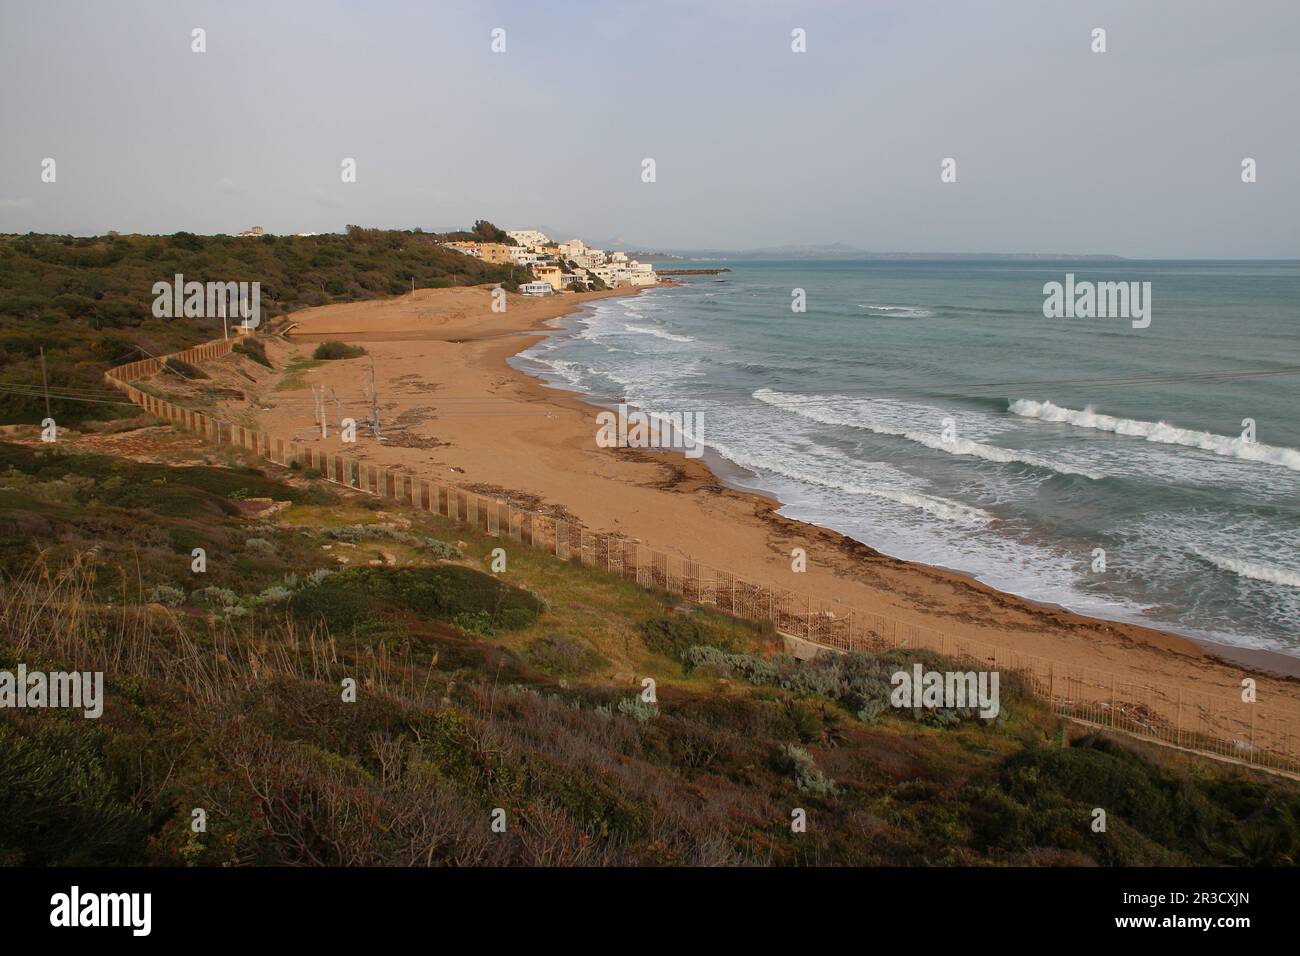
(227, 691)
(332, 350)
(87, 301)
(483, 231)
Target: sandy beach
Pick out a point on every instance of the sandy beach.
(453, 409)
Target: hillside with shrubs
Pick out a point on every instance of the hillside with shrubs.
(482, 697)
(88, 301)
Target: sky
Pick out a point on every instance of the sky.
(1136, 151)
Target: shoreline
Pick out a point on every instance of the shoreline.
(500, 429)
(1274, 663)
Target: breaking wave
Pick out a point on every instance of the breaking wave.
(819, 409)
(898, 311)
(1160, 432)
(1255, 570)
(658, 333)
(944, 508)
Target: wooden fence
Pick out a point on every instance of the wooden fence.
(1219, 725)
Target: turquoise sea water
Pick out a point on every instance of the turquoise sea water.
(930, 410)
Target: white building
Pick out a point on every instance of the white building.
(536, 288)
(523, 256)
(613, 276)
(528, 238)
(619, 274)
(641, 273)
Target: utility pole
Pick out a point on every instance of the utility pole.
(319, 398)
(374, 403)
(45, 385)
(338, 409)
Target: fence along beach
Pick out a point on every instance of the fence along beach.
(517, 459)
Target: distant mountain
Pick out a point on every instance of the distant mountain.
(643, 256)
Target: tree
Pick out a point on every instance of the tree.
(485, 231)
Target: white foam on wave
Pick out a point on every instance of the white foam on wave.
(1160, 432)
(1255, 570)
(898, 311)
(657, 333)
(944, 508)
(822, 409)
(571, 372)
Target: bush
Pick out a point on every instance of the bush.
(638, 709)
(275, 594)
(215, 597)
(807, 775)
(721, 663)
(329, 351)
(60, 804)
(184, 369)
(254, 349)
(166, 595)
(457, 595)
(564, 655)
(432, 547)
(1097, 773)
(674, 634)
(807, 722)
(259, 546)
(476, 622)
(859, 682)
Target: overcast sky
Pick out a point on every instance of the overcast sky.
(1136, 151)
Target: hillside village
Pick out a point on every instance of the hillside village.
(570, 266)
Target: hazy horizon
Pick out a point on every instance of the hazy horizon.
(1135, 152)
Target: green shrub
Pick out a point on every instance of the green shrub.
(807, 775)
(476, 622)
(638, 709)
(1096, 773)
(215, 597)
(275, 594)
(433, 547)
(859, 682)
(332, 350)
(162, 498)
(254, 349)
(60, 804)
(564, 655)
(167, 595)
(259, 546)
(674, 634)
(807, 722)
(451, 593)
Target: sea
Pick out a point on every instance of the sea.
(930, 410)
